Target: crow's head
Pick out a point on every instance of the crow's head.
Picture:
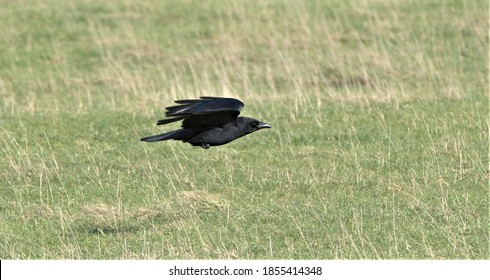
(249, 125)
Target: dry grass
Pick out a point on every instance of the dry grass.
(379, 147)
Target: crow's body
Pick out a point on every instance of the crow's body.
(208, 121)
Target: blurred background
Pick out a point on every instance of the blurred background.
(379, 146)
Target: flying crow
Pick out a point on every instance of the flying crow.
(208, 121)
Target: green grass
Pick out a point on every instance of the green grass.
(379, 146)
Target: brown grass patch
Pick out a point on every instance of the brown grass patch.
(202, 199)
(38, 211)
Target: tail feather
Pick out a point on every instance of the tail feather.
(181, 134)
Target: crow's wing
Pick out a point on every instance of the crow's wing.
(203, 112)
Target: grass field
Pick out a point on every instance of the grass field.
(379, 145)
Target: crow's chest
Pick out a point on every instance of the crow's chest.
(216, 136)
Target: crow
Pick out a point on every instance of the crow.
(208, 121)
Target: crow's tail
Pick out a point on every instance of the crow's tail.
(181, 134)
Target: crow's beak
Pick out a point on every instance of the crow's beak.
(263, 125)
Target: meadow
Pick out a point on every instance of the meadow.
(379, 145)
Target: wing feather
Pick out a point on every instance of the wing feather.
(204, 112)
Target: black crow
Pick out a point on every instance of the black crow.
(208, 121)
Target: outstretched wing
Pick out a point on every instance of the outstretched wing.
(204, 112)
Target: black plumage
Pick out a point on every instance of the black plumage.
(208, 121)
